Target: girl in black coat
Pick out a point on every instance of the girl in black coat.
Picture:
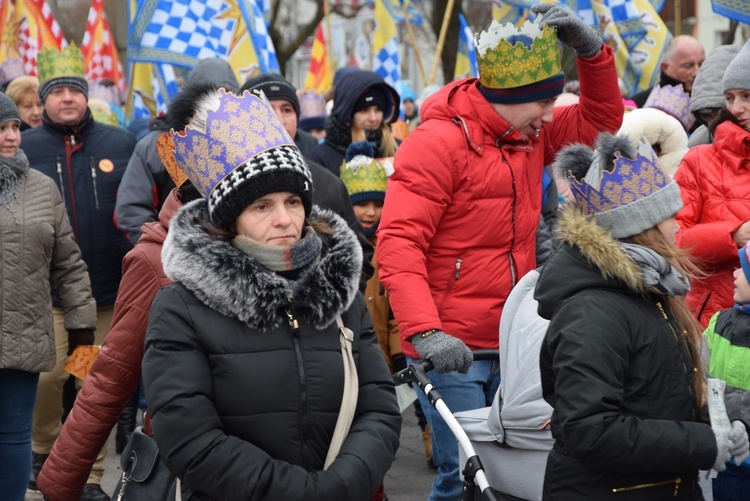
(363, 107)
(620, 362)
(243, 365)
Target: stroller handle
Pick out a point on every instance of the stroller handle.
(416, 372)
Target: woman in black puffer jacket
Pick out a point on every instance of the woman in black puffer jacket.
(363, 107)
(243, 365)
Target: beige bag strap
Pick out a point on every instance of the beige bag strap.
(349, 398)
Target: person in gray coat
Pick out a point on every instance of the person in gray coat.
(146, 184)
(707, 98)
(38, 254)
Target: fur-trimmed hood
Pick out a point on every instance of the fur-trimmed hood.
(234, 284)
(589, 258)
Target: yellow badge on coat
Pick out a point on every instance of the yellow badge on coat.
(106, 165)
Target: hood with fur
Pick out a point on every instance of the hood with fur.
(234, 284)
(592, 258)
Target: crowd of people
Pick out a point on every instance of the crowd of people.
(255, 268)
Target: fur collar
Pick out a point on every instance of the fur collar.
(600, 248)
(234, 284)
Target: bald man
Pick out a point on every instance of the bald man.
(682, 60)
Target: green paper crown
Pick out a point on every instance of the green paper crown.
(505, 66)
(365, 179)
(53, 64)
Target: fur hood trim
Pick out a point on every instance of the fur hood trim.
(599, 247)
(234, 284)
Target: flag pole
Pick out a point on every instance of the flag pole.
(129, 98)
(441, 39)
(413, 43)
(677, 18)
(329, 36)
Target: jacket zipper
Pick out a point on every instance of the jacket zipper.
(449, 289)
(60, 177)
(677, 481)
(677, 341)
(511, 259)
(294, 324)
(93, 180)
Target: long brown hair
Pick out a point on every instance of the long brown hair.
(387, 144)
(691, 329)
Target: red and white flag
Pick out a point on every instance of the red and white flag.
(100, 57)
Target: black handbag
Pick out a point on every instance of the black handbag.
(144, 475)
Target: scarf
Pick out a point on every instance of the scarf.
(657, 272)
(280, 259)
(339, 136)
(12, 170)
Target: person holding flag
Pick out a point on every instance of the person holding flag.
(463, 205)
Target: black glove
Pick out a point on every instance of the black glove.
(447, 353)
(79, 337)
(398, 361)
(571, 29)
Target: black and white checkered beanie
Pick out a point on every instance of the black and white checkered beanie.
(74, 82)
(277, 169)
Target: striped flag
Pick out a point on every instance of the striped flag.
(319, 77)
(466, 57)
(263, 43)
(738, 10)
(386, 61)
(100, 57)
(36, 28)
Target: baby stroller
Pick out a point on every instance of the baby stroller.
(505, 446)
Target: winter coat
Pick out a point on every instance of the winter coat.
(116, 373)
(618, 376)
(87, 164)
(463, 206)
(263, 399)
(38, 255)
(305, 141)
(715, 187)
(382, 317)
(728, 341)
(144, 188)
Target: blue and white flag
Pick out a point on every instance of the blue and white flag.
(466, 57)
(738, 10)
(385, 58)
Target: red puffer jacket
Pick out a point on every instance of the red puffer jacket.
(116, 372)
(714, 181)
(462, 208)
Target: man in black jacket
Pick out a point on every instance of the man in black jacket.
(87, 160)
(328, 190)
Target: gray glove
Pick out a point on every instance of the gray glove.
(739, 449)
(447, 353)
(723, 446)
(571, 29)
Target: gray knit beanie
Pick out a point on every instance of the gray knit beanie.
(623, 188)
(8, 110)
(707, 91)
(737, 75)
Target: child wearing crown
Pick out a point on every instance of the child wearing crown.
(463, 205)
(620, 362)
(727, 339)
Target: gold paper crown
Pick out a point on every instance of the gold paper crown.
(503, 65)
(53, 64)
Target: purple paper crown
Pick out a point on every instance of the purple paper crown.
(672, 99)
(629, 181)
(240, 128)
(10, 69)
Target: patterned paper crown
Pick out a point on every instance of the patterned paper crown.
(10, 69)
(672, 99)
(365, 179)
(240, 128)
(53, 64)
(629, 181)
(165, 150)
(508, 57)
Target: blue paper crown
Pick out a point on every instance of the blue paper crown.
(629, 181)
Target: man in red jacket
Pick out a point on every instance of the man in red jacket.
(462, 208)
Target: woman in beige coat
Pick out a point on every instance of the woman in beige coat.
(38, 256)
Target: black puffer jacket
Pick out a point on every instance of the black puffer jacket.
(243, 408)
(87, 164)
(618, 377)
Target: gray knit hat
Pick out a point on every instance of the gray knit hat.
(622, 187)
(737, 75)
(707, 91)
(8, 110)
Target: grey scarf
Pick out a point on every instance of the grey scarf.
(277, 258)
(12, 170)
(657, 272)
